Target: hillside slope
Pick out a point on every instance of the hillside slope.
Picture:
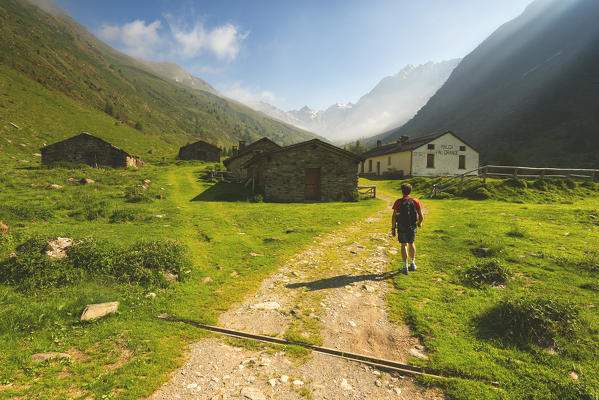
(529, 93)
(59, 56)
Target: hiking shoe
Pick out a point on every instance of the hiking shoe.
(412, 267)
(403, 271)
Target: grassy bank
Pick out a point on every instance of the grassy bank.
(233, 245)
(522, 321)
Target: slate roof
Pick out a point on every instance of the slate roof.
(86, 136)
(249, 148)
(315, 142)
(409, 145)
(215, 148)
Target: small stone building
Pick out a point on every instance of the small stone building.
(438, 154)
(90, 150)
(244, 153)
(200, 150)
(307, 171)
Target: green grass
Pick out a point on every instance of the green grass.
(544, 321)
(131, 353)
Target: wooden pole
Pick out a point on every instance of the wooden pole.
(485, 169)
(542, 174)
(516, 172)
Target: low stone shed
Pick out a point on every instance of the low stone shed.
(307, 171)
(88, 149)
(200, 150)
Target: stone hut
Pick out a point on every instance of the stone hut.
(244, 153)
(200, 150)
(307, 171)
(90, 150)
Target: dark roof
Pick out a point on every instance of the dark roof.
(87, 136)
(249, 148)
(202, 143)
(315, 142)
(410, 144)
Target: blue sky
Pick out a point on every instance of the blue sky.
(292, 53)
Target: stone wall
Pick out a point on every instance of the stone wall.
(85, 149)
(199, 151)
(281, 176)
(234, 164)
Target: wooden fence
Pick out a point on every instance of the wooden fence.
(504, 171)
(367, 190)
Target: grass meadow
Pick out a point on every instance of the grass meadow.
(520, 322)
(130, 354)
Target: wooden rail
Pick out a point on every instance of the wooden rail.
(367, 190)
(509, 171)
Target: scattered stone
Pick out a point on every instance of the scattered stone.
(352, 252)
(295, 312)
(207, 279)
(151, 151)
(345, 385)
(269, 240)
(150, 295)
(86, 181)
(159, 216)
(255, 254)
(397, 390)
(39, 357)
(284, 378)
(252, 393)
(234, 274)
(573, 375)
(378, 383)
(420, 347)
(95, 311)
(268, 305)
(592, 216)
(4, 229)
(23, 145)
(170, 276)
(71, 180)
(338, 222)
(567, 234)
(297, 382)
(272, 382)
(533, 254)
(561, 248)
(56, 248)
(481, 251)
(146, 181)
(37, 155)
(54, 186)
(160, 197)
(290, 230)
(368, 288)
(352, 323)
(215, 379)
(418, 354)
(192, 386)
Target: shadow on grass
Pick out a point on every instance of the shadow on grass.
(340, 281)
(224, 191)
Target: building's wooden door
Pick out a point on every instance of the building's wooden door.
(312, 188)
(378, 167)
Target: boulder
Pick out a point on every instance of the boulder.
(39, 357)
(54, 186)
(418, 354)
(86, 181)
(95, 311)
(71, 180)
(4, 229)
(56, 248)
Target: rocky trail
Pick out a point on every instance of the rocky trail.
(332, 294)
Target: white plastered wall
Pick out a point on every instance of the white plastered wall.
(446, 153)
(390, 163)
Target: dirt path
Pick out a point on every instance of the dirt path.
(331, 293)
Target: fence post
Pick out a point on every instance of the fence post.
(516, 172)
(485, 168)
(461, 187)
(592, 175)
(542, 174)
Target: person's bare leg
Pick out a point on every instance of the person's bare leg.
(412, 251)
(404, 252)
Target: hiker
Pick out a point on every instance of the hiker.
(407, 217)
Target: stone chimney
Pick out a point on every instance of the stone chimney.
(241, 144)
(379, 143)
(234, 151)
(403, 139)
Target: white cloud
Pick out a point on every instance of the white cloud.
(223, 41)
(246, 95)
(136, 38)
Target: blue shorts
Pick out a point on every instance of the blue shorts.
(406, 236)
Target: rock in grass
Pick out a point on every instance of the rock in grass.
(418, 354)
(150, 295)
(269, 240)
(39, 357)
(86, 181)
(56, 248)
(207, 279)
(481, 252)
(368, 288)
(4, 229)
(290, 230)
(95, 311)
(252, 393)
(54, 186)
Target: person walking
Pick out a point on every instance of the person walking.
(407, 218)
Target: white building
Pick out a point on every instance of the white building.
(438, 154)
